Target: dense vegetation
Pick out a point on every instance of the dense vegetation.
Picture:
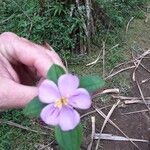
(61, 23)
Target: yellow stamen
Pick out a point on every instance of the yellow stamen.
(61, 102)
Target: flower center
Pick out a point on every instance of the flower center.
(61, 102)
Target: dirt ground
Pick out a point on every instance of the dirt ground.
(133, 125)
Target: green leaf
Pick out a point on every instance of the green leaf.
(33, 108)
(69, 140)
(55, 72)
(91, 83)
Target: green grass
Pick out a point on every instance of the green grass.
(13, 138)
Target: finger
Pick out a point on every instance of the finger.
(18, 99)
(55, 58)
(26, 52)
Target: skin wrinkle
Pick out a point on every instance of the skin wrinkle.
(4, 73)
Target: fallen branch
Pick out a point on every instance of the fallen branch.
(95, 61)
(112, 123)
(145, 68)
(121, 64)
(106, 120)
(112, 137)
(127, 102)
(138, 61)
(91, 112)
(145, 80)
(134, 112)
(20, 126)
(114, 47)
(144, 54)
(147, 16)
(128, 98)
(142, 96)
(114, 74)
(43, 147)
(107, 91)
(127, 27)
(132, 100)
(93, 133)
(10, 17)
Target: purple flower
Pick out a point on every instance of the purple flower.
(62, 100)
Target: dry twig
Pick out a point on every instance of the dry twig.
(107, 91)
(106, 120)
(95, 61)
(145, 68)
(112, 123)
(91, 112)
(132, 100)
(45, 146)
(145, 80)
(142, 96)
(117, 72)
(134, 112)
(147, 16)
(121, 64)
(138, 61)
(111, 137)
(128, 98)
(20, 126)
(93, 133)
(127, 102)
(127, 27)
(10, 17)
(114, 47)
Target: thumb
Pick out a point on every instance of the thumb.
(15, 95)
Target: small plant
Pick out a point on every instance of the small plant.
(57, 99)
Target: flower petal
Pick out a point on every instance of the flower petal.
(50, 114)
(67, 84)
(69, 118)
(80, 99)
(48, 92)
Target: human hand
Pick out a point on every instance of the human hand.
(17, 51)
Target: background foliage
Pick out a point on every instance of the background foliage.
(54, 21)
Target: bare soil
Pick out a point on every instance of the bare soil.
(133, 125)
